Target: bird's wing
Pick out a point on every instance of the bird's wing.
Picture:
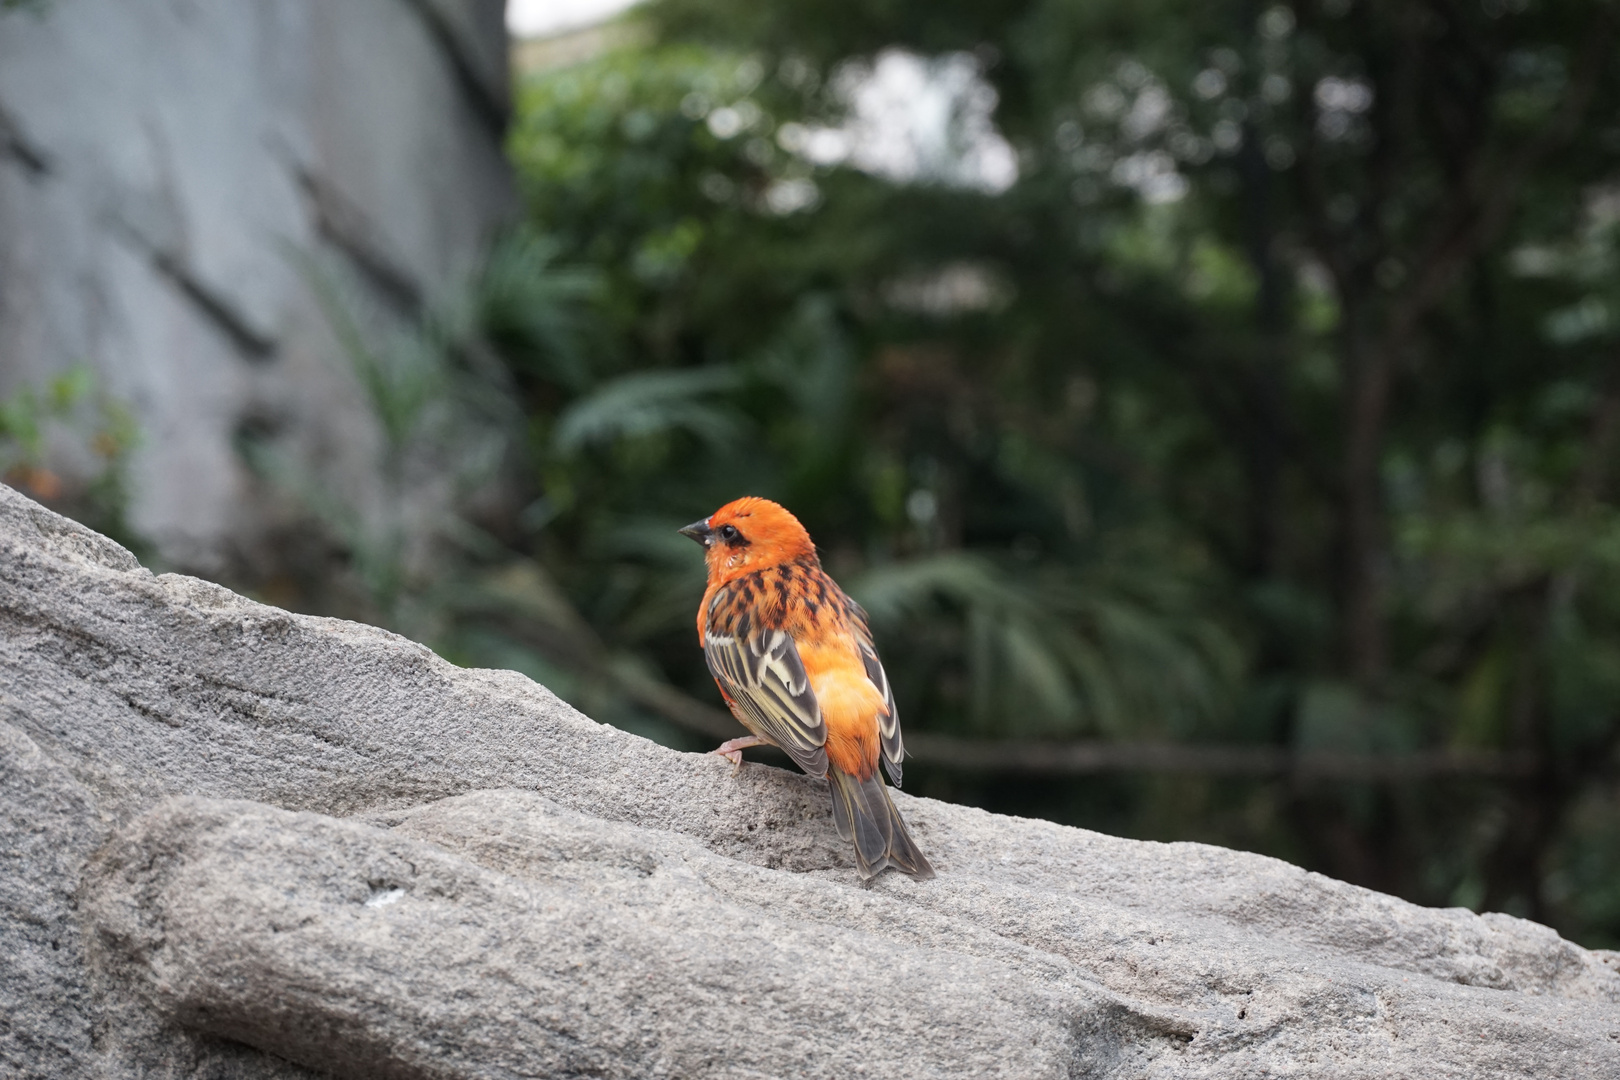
(762, 675)
(894, 751)
(888, 723)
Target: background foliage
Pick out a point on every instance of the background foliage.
(69, 419)
(1268, 404)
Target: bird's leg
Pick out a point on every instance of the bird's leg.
(732, 750)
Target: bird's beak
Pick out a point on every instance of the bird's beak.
(699, 531)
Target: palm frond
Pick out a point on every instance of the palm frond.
(1058, 650)
(649, 403)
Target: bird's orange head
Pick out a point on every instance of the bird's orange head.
(750, 534)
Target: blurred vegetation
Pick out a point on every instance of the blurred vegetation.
(1261, 393)
(68, 420)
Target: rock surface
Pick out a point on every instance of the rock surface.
(236, 842)
(160, 162)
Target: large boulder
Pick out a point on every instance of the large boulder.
(236, 842)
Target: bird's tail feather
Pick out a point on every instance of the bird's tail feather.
(864, 813)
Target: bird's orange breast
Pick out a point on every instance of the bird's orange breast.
(850, 704)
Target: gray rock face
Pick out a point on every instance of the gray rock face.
(159, 163)
(236, 842)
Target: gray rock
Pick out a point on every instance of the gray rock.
(159, 162)
(240, 843)
(498, 934)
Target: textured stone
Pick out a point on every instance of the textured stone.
(160, 163)
(239, 842)
(593, 948)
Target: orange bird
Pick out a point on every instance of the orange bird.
(793, 657)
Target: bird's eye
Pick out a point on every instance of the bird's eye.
(728, 533)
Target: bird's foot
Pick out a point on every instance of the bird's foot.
(732, 750)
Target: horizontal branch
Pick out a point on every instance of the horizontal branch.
(681, 709)
(1089, 757)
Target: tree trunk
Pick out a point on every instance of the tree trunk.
(1263, 440)
(1367, 382)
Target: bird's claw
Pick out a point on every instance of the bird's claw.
(732, 750)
